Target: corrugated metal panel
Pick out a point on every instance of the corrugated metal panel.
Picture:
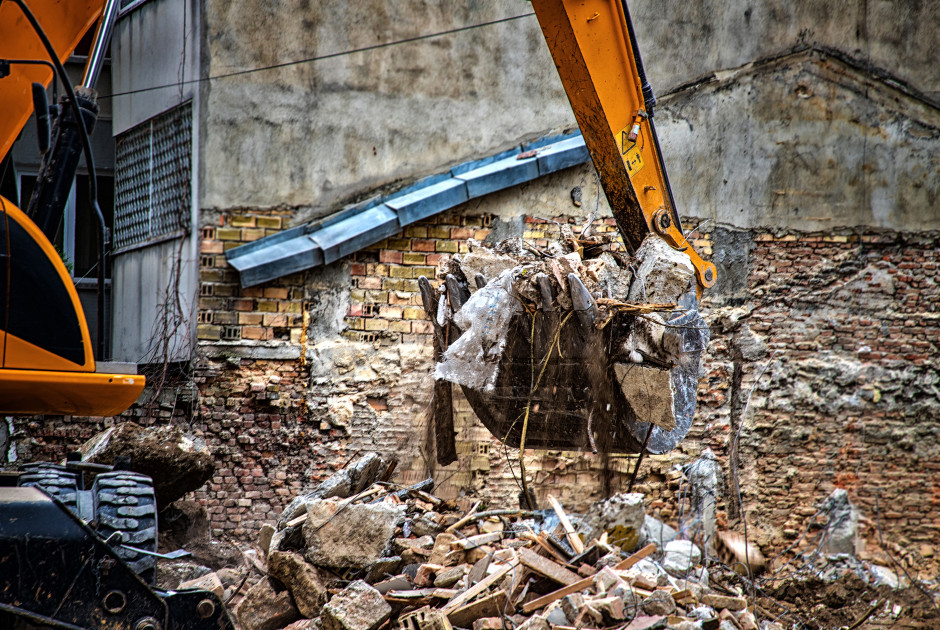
(356, 227)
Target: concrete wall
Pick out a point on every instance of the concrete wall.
(155, 53)
(807, 142)
(155, 57)
(311, 136)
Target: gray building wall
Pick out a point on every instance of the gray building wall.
(315, 135)
(155, 52)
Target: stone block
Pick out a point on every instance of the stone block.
(723, 602)
(681, 556)
(354, 537)
(356, 607)
(664, 273)
(264, 608)
(301, 579)
(210, 582)
(659, 603)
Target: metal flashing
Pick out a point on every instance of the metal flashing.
(357, 226)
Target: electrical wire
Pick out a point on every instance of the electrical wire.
(343, 53)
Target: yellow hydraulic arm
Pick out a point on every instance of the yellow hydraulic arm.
(594, 49)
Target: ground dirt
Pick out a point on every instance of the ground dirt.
(819, 605)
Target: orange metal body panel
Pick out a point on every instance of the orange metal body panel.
(65, 22)
(23, 355)
(67, 393)
(590, 44)
(33, 380)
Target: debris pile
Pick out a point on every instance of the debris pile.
(359, 553)
(597, 349)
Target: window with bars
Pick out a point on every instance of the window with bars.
(153, 171)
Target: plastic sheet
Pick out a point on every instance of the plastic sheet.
(473, 360)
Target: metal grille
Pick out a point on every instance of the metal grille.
(152, 181)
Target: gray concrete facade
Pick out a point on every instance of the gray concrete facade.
(317, 135)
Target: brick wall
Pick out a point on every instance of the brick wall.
(296, 377)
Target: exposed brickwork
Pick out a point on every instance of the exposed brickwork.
(298, 375)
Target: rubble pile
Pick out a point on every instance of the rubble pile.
(387, 556)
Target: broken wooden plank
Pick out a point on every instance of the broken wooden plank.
(466, 519)
(543, 543)
(491, 606)
(547, 568)
(481, 586)
(636, 557)
(476, 541)
(570, 534)
(545, 600)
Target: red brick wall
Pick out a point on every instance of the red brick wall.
(850, 398)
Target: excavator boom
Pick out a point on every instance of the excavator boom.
(599, 63)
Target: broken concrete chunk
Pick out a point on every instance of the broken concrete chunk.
(649, 392)
(171, 574)
(610, 607)
(621, 516)
(883, 576)
(263, 608)
(843, 524)
(356, 607)
(652, 573)
(720, 602)
(659, 603)
(383, 568)
(664, 273)
(178, 461)
(658, 532)
(555, 615)
(484, 262)
(302, 580)
(681, 557)
(265, 534)
(343, 484)
(349, 536)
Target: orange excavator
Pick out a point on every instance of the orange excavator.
(47, 365)
(69, 557)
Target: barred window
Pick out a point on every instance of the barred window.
(153, 170)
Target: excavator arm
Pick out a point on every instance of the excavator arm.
(47, 365)
(595, 51)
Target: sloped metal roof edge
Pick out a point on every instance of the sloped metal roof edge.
(356, 227)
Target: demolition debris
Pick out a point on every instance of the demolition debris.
(371, 554)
